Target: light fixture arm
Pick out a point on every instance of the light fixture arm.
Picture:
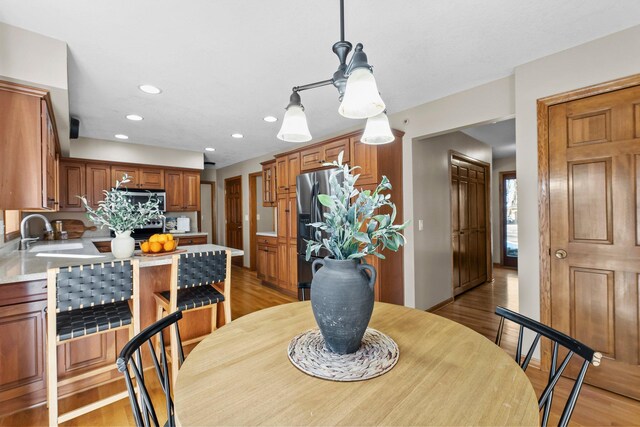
(312, 85)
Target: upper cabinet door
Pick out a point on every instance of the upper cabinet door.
(72, 185)
(311, 158)
(293, 170)
(174, 189)
(191, 194)
(333, 149)
(151, 178)
(281, 174)
(366, 157)
(49, 160)
(117, 172)
(98, 181)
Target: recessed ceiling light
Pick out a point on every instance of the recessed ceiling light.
(237, 135)
(210, 149)
(121, 136)
(149, 89)
(134, 117)
(270, 119)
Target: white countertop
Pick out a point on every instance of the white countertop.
(19, 266)
(266, 233)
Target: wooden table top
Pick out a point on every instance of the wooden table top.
(447, 374)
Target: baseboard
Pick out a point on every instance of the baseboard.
(440, 305)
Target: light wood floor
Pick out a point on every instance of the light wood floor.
(474, 309)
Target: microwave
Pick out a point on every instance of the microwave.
(141, 196)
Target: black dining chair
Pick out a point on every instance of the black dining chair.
(142, 406)
(573, 346)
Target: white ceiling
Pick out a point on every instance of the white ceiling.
(224, 64)
(501, 136)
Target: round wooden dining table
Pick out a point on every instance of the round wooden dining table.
(447, 374)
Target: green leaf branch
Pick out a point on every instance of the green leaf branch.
(352, 224)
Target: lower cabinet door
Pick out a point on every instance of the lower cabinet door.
(22, 349)
(283, 266)
(272, 264)
(261, 262)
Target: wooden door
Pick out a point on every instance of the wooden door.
(271, 270)
(282, 180)
(509, 219)
(283, 265)
(174, 189)
(311, 158)
(117, 172)
(333, 149)
(366, 157)
(293, 170)
(72, 184)
(282, 211)
(469, 223)
(151, 178)
(594, 223)
(98, 181)
(261, 261)
(191, 191)
(233, 214)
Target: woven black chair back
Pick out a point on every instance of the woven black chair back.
(201, 268)
(558, 339)
(130, 364)
(93, 284)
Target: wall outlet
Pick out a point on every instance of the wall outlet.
(420, 225)
(258, 217)
(246, 217)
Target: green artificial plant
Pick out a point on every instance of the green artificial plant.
(353, 230)
(118, 213)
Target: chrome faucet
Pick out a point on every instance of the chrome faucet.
(26, 241)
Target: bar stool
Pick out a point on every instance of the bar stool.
(83, 301)
(199, 280)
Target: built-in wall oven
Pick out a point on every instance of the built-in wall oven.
(155, 226)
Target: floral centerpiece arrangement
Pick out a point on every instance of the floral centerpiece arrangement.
(357, 223)
(119, 214)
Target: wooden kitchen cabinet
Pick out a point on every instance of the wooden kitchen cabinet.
(366, 157)
(183, 190)
(267, 259)
(30, 149)
(141, 178)
(315, 156)
(269, 183)
(293, 170)
(98, 176)
(72, 185)
(118, 172)
(282, 180)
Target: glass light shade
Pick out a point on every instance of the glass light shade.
(294, 126)
(361, 98)
(377, 131)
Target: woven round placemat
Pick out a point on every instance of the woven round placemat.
(377, 355)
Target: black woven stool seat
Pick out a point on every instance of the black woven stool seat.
(195, 297)
(89, 320)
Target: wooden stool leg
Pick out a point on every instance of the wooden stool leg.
(159, 315)
(227, 312)
(214, 317)
(52, 379)
(175, 358)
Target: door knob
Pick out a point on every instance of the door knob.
(561, 254)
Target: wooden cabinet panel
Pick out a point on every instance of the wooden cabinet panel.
(152, 178)
(283, 207)
(261, 261)
(283, 265)
(293, 170)
(292, 282)
(173, 187)
(282, 179)
(333, 149)
(98, 181)
(49, 160)
(191, 191)
(117, 172)
(72, 184)
(366, 157)
(193, 240)
(311, 158)
(269, 184)
(292, 218)
(271, 270)
(86, 354)
(22, 333)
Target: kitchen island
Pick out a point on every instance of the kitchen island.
(23, 304)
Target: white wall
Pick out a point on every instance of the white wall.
(103, 150)
(35, 60)
(432, 204)
(266, 215)
(208, 174)
(499, 165)
(598, 61)
(243, 169)
(482, 104)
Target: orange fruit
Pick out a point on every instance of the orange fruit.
(162, 238)
(169, 246)
(154, 238)
(144, 246)
(155, 247)
(169, 237)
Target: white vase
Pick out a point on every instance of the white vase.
(123, 245)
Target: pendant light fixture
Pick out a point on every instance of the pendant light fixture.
(358, 94)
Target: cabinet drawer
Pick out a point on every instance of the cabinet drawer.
(195, 240)
(263, 240)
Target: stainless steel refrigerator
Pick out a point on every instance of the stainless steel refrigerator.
(308, 187)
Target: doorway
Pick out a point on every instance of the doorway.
(509, 219)
(207, 215)
(470, 221)
(589, 175)
(233, 215)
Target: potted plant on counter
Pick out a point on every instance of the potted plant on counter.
(342, 293)
(119, 214)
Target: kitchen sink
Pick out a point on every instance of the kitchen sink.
(79, 256)
(56, 247)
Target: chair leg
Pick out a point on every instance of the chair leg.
(175, 358)
(52, 380)
(227, 312)
(159, 315)
(214, 317)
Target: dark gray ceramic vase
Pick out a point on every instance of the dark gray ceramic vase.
(342, 301)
